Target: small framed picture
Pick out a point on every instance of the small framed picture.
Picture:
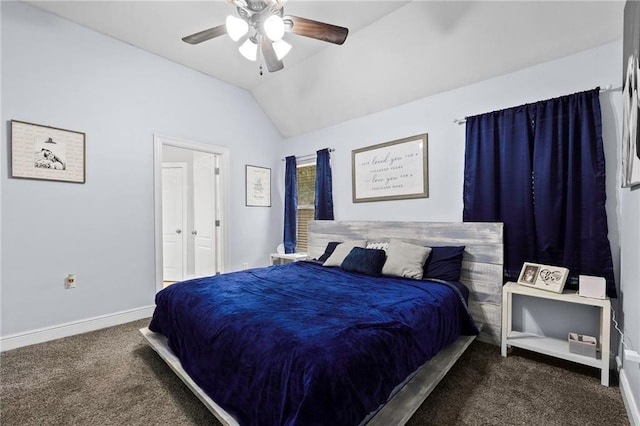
(47, 153)
(543, 277)
(258, 190)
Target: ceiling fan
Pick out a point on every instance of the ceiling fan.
(260, 27)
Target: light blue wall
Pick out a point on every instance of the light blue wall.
(434, 115)
(56, 73)
(630, 286)
(60, 74)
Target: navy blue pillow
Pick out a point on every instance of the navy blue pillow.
(365, 261)
(328, 251)
(444, 263)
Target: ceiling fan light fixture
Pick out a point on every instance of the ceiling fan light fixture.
(236, 27)
(281, 48)
(249, 50)
(274, 27)
(259, 28)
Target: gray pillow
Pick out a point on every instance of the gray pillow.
(341, 251)
(405, 260)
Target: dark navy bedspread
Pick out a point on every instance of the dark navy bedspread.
(302, 344)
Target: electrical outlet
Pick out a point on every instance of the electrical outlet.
(245, 265)
(70, 281)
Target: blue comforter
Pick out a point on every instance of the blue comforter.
(302, 344)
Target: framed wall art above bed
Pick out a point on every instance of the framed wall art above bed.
(396, 170)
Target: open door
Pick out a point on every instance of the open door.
(174, 208)
(204, 213)
(204, 235)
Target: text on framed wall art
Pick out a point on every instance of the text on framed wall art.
(395, 170)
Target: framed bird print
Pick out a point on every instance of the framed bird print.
(47, 153)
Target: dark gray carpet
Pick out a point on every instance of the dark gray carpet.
(111, 377)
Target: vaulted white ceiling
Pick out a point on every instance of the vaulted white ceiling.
(396, 51)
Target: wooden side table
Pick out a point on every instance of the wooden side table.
(552, 346)
(281, 258)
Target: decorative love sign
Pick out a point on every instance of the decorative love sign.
(394, 170)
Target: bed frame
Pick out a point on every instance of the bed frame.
(481, 272)
(482, 264)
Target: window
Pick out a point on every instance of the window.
(306, 201)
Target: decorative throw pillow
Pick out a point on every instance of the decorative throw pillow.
(377, 245)
(405, 260)
(364, 261)
(341, 251)
(328, 251)
(444, 263)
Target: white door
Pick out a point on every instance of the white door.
(204, 213)
(167, 149)
(174, 206)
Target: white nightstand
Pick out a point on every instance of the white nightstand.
(281, 258)
(551, 346)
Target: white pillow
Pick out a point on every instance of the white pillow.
(379, 245)
(405, 260)
(341, 251)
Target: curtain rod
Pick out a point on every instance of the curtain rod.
(306, 157)
(607, 88)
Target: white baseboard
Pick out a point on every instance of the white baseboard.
(629, 400)
(72, 328)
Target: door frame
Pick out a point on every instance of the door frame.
(158, 142)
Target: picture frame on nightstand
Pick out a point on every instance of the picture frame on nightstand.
(543, 277)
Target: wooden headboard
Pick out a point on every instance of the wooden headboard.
(481, 266)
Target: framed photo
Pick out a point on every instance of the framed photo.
(630, 166)
(258, 191)
(395, 170)
(47, 153)
(543, 277)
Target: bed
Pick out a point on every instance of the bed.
(309, 344)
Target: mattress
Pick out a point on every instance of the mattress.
(303, 344)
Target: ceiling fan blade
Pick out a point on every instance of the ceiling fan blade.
(205, 35)
(269, 54)
(278, 4)
(314, 29)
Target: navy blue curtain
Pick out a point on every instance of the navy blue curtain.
(497, 180)
(290, 205)
(539, 168)
(324, 192)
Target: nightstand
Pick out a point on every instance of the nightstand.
(551, 346)
(281, 258)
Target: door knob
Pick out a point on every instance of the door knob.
(194, 232)
(178, 231)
